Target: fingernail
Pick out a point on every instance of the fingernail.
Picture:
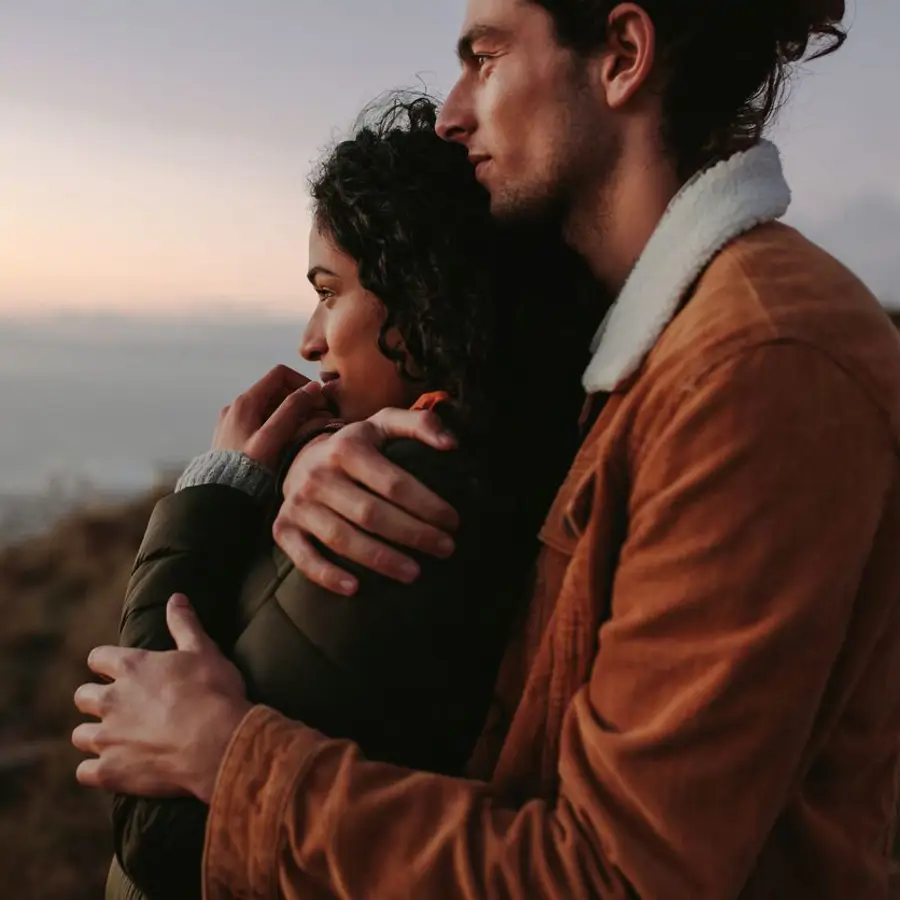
(347, 586)
(179, 601)
(446, 439)
(312, 388)
(446, 546)
(409, 571)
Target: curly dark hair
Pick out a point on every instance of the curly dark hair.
(406, 207)
(480, 305)
(460, 288)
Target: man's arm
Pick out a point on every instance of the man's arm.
(755, 499)
(202, 539)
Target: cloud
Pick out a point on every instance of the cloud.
(865, 235)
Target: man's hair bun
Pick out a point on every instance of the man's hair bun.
(802, 23)
(824, 13)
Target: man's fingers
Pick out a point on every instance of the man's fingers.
(365, 464)
(89, 698)
(349, 542)
(112, 662)
(86, 737)
(185, 627)
(382, 519)
(312, 564)
(417, 424)
(88, 771)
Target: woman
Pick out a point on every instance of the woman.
(423, 300)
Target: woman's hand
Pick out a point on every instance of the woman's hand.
(265, 420)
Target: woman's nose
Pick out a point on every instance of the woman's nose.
(312, 344)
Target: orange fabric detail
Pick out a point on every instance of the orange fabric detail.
(431, 400)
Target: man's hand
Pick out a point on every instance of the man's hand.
(165, 718)
(343, 492)
(267, 418)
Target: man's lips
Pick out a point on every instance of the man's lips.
(478, 160)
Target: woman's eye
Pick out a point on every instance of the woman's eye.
(324, 294)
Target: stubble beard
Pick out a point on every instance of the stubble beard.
(548, 199)
(541, 204)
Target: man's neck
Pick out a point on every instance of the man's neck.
(611, 225)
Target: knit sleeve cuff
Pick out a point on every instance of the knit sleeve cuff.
(230, 468)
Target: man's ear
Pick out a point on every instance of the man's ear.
(629, 55)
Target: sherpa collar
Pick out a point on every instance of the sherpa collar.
(712, 209)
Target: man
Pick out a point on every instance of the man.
(705, 700)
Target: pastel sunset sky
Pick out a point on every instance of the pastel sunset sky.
(153, 153)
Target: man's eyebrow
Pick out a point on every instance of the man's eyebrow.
(319, 270)
(477, 33)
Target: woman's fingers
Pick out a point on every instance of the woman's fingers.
(281, 428)
(278, 382)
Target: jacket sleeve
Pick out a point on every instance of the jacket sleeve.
(406, 671)
(200, 541)
(733, 595)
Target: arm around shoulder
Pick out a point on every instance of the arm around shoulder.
(732, 600)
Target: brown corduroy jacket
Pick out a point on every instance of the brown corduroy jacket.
(705, 700)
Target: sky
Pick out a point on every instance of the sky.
(153, 153)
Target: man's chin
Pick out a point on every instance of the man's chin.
(521, 208)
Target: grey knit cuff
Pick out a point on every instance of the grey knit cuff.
(230, 468)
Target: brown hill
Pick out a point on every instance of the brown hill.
(60, 595)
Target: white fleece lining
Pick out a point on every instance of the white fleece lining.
(712, 209)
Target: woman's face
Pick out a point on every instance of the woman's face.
(342, 337)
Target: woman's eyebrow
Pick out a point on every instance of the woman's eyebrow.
(319, 270)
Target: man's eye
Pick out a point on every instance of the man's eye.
(481, 59)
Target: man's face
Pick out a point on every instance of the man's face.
(524, 108)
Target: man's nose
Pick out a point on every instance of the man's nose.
(455, 121)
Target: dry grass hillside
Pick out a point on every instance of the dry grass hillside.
(60, 595)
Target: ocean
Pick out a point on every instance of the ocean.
(112, 401)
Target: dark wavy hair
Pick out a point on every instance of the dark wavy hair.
(725, 63)
(499, 316)
(469, 296)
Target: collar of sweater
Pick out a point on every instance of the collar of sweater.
(711, 210)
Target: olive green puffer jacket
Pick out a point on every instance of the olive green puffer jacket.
(406, 671)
